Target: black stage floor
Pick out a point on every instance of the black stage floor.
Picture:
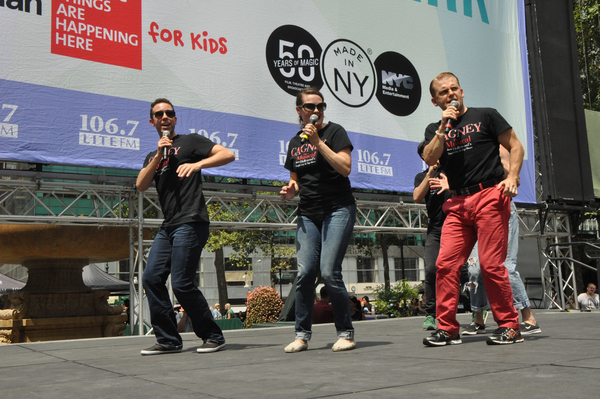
(390, 361)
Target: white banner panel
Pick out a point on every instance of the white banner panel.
(77, 77)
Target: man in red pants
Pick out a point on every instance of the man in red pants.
(466, 142)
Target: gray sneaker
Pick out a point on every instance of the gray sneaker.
(528, 329)
(474, 328)
(158, 349)
(210, 346)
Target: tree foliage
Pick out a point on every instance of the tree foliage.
(587, 28)
(395, 301)
(244, 243)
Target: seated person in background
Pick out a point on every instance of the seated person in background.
(323, 312)
(125, 308)
(217, 312)
(366, 305)
(229, 314)
(589, 300)
(356, 311)
(184, 323)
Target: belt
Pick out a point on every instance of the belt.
(477, 188)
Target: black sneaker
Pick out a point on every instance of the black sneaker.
(159, 349)
(474, 328)
(527, 329)
(441, 337)
(210, 346)
(504, 336)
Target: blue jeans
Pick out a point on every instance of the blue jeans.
(321, 242)
(176, 250)
(477, 294)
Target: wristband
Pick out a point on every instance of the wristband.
(440, 134)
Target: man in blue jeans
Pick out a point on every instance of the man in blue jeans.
(176, 168)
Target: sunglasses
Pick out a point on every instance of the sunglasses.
(311, 107)
(159, 114)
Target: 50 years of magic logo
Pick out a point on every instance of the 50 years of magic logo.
(296, 61)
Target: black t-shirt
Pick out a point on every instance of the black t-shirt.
(434, 203)
(471, 153)
(181, 199)
(322, 189)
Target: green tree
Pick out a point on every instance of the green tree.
(586, 14)
(243, 244)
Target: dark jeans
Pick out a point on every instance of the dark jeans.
(432, 249)
(176, 251)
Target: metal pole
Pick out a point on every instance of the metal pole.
(140, 291)
(131, 309)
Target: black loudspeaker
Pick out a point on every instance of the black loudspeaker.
(557, 102)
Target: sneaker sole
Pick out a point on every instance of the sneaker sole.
(206, 350)
(430, 343)
(492, 342)
(150, 353)
(428, 328)
(536, 331)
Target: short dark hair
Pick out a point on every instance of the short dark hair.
(439, 77)
(158, 101)
(307, 91)
(324, 293)
(421, 148)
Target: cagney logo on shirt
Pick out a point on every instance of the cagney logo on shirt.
(465, 130)
(305, 154)
(458, 140)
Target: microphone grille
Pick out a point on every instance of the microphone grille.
(454, 103)
(313, 119)
(166, 133)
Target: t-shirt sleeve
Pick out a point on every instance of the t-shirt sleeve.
(148, 158)
(419, 179)
(340, 140)
(202, 145)
(498, 123)
(430, 132)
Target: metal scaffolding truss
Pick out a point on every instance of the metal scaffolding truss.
(52, 198)
(242, 211)
(552, 230)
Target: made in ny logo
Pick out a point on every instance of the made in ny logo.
(101, 30)
(296, 61)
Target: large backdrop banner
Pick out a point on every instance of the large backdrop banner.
(77, 78)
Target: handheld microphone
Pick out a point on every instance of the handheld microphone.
(313, 119)
(166, 133)
(454, 104)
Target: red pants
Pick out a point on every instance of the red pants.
(482, 217)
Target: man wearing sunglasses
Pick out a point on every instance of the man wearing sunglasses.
(178, 245)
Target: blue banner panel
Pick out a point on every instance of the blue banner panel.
(77, 78)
